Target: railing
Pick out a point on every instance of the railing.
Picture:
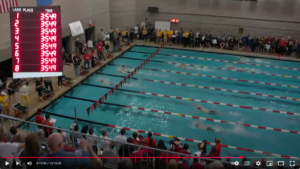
(7, 122)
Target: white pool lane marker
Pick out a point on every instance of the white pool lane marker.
(217, 77)
(227, 61)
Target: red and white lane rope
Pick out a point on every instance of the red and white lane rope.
(209, 143)
(213, 120)
(253, 64)
(225, 90)
(218, 103)
(235, 70)
(217, 77)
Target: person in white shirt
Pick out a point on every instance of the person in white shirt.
(90, 44)
(92, 138)
(104, 144)
(8, 149)
(24, 90)
(136, 31)
(121, 138)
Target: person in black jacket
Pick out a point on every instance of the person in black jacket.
(125, 150)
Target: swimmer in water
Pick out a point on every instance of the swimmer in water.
(204, 110)
(182, 66)
(204, 127)
(124, 71)
(106, 82)
(243, 59)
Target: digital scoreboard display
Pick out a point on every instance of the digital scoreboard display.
(36, 41)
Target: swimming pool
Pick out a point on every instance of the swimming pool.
(235, 94)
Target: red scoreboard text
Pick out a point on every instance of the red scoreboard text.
(36, 41)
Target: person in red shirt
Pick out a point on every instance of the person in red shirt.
(137, 153)
(282, 46)
(47, 122)
(39, 118)
(136, 139)
(150, 142)
(99, 48)
(170, 155)
(185, 150)
(218, 145)
(87, 57)
(213, 153)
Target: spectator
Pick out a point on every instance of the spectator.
(7, 149)
(24, 90)
(75, 136)
(99, 48)
(4, 103)
(185, 150)
(95, 162)
(84, 130)
(32, 149)
(151, 142)
(170, 155)
(105, 143)
(125, 150)
(92, 139)
(125, 163)
(67, 148)
(197, 165)
(12, 133)
(47, 122)
(121, 138)
(135, 139)
(65, 135)
(213, 153)
(39, 118)
(19, 139)
(173, 164)
(215, 165)
(111, 152)
(41, 134)
(48, 83)
(138, 152)
(76, 62)
(227, 164)
(161, 146)
(87, 59)
(201, 149)
(218, 145)
(55, 144)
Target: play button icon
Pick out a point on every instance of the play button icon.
(6, 163)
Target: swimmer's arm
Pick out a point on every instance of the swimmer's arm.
(202, 108)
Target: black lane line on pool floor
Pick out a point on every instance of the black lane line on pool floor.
(285, 101)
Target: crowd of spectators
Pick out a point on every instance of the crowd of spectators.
(14, 143)
(268, 44)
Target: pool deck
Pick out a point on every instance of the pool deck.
(69, 72)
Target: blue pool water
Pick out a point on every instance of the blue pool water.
(92, 89)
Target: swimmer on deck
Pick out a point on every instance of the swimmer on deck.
(204, 110)
(124, 71)
(203, 127)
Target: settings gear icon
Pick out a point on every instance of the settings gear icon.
(257, 163)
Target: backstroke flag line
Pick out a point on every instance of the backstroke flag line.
(5, 5)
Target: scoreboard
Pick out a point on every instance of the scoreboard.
(36, 41)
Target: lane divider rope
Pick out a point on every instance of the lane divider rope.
(211, 88)
(204, 118)
(220, 68)
(217, 77)
(204, 101)
(227, 61)
(195, 141)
